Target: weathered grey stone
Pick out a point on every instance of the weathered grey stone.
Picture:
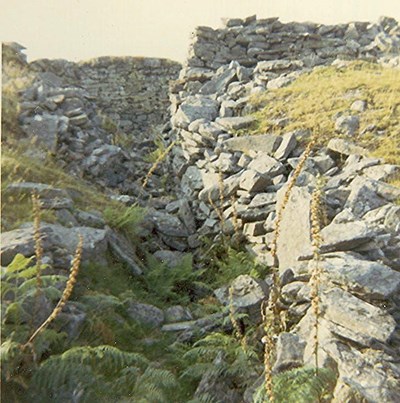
(344, 147)
(262, 199)
(145, 314)
(186, 216)
(295, 227)
(226, 163)
(42, 190)
(56, 203)
(254, 229)
(359, 106)
(267, 143)
(287, 145)
(236, 123)
(219, 82)
(168, 224)
(255, 214)
(71, 320)
(124, 251)
(193, 108)
(323, 163)
(253, 181)
(177, 313)
(363, 197)
(381, 172)
(175, 242)
(342, 308)
(266, 165)
(230, 185)
(179, 326)
(345, 236)
(169, 257)
(392, 219)
(79, 120)
(191, 180)
(221, 386)
(247, 295)
(296, 291)
(274, 65)
(289, 350)
(368, 279)
(44, 129)
(91, 219)
(21, 241)
(367, 376)
(280, 82)
(66, 218)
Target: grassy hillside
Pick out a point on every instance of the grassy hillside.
(315, 99)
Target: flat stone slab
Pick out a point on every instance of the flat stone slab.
(345, 147)
(193, 108)
(267, 143)
(366, 278)
(346, 310)
(43, 190)
(345, 236)
(236, 123)
(295, 227)
(179, 327)
(95, 241)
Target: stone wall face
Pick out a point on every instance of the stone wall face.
(236, 184)
(133, 91)
(249, 41)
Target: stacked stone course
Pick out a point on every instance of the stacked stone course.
(133, 91)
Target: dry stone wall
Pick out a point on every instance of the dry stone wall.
(251, 40)
(235, 185)
(133, 91)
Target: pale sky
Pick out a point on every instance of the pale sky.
(82, 29)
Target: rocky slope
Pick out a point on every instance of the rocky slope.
(228, 183)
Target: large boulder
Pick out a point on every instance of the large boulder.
(247, 295)
(193, 108)
(295, 227)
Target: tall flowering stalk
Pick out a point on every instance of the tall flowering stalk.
(272, 313)
(317, 214)
(67, 291)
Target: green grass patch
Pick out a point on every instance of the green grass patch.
(16, 166)
(315, 98)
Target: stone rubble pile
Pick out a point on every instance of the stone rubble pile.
(234, 184)
(67, 109)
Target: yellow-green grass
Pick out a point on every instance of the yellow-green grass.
(315, 98)
(16, 166)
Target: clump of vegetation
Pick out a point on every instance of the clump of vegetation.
(299, 385)
(17, 166)
(126, 219)
(15, 78)
(102, 373)
(316, 98)
(172, 285)
(225, 262)
(222, 355)
(157, 157)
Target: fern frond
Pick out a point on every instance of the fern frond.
(19, 263)
(299, 385)
(49, 280)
